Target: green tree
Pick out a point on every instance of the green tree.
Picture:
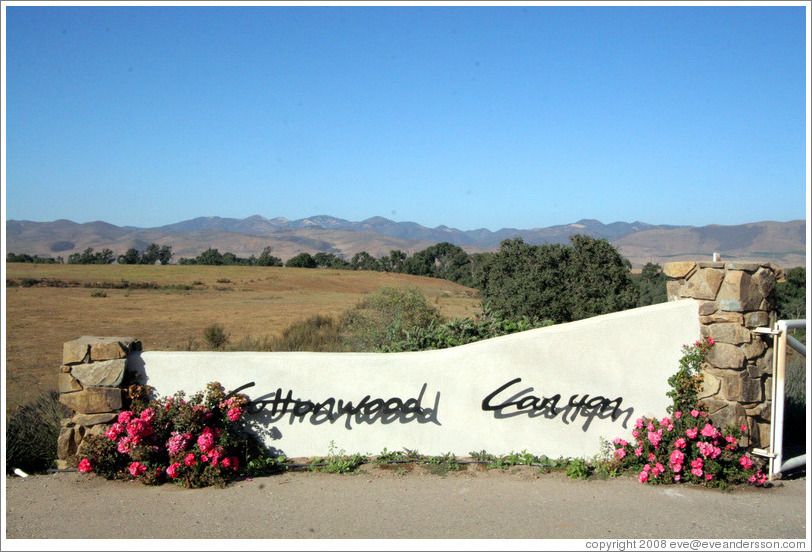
(443, 260)
(556, 282)
(165, 254)
(266, 259)
(302, 260)
(599, 278)
(651, 285)
(105, 256)
(210, 257)
(364, 261)
(130, 257)
(394, 261)
(329, 260)
(150, 255)
(791, 294)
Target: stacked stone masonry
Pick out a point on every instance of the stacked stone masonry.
(734, 299)
(90, 384)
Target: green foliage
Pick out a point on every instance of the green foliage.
(302, 260)
(32, 432)
(386, 316)
(386, 456)
(442, 464)
(791, 295)
(459, 332)
(578, 469)
(266, 259)
(337, 461)
(687, 382)
(330, 260)
(25, 258)
(105, 256)
(443, 260)
(151, 255)
(364, 261)
(651, 285)
(261, 464)
(557, 282)
(215, 336)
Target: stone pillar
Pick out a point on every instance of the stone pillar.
(734, 299)
(90, 384)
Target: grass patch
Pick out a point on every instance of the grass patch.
(32, 432)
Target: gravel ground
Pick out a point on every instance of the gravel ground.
(384, 503)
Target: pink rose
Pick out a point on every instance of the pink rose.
(205, 442)
(620, 454)
(692, 433)
(745, 462)
(148, 415)
(694, 412)
(677, 477)
(235, 463)
(137, 468)
(680, 443)
(172, 470)
(639, 423)
(190, 459)
(743, 428)
(710, 431)
(84, 466)
(124, 445)
(124, 417)
(225, 462)
(234, 414)
(643, 477)
(711, 341)
(678, 414)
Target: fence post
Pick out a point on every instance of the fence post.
(734, 298)
(91, 384)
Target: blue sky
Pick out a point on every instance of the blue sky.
(468, 116)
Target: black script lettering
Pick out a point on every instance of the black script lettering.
(367, 410)
(524, 403)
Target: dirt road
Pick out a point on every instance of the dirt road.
(378, 503)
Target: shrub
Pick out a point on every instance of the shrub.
(386, 316)
(460, 331)
(686, 447)
(316, 333)
(196, 442)
(32, 432)
(215, 336)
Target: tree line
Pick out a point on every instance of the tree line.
(540, 283)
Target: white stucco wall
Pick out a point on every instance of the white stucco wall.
(628, 355)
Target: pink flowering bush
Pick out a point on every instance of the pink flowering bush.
(195, 442)
(686, 446)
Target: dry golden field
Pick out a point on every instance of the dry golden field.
(247, 301)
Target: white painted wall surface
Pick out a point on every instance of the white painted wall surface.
(629, 354)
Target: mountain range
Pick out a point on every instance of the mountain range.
(783, 243)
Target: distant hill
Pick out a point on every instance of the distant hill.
(783, 243)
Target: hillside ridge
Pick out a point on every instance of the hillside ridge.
(781, 242)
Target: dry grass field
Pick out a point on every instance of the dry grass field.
(246, 301)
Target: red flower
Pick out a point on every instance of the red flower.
(84, 466)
